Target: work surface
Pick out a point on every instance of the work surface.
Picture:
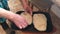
(42, 4)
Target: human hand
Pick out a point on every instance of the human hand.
(19, 21)
(26, 6)
(28, 10)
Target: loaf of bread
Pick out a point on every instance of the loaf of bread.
(40, 22)
(27, 16)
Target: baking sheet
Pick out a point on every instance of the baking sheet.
(31, 27)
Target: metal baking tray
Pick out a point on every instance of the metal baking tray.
(31, 27)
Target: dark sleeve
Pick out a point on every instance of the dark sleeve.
(5, 4)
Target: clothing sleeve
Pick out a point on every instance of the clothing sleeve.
(1, 6)
(5, 4)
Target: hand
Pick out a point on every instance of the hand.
(19, 21)
(27, 7)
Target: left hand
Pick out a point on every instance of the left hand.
(19, 21)
(15, 18)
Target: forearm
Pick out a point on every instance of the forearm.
(6, 14)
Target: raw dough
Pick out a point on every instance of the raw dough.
(27, 16)
(15, 5)
(40, 22)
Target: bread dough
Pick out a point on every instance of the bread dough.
(15, 5)
(40, 22)
(27, 16)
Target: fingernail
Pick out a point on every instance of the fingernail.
(23, 26)
(20, 27)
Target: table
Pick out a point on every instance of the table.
(42, 4)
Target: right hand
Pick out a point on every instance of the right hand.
(27, 7)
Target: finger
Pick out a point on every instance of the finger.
(24, 24)
(24, 21)
(29, 10)
(20, 26)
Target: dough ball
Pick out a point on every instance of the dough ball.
(28, 17)
(40, 22)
